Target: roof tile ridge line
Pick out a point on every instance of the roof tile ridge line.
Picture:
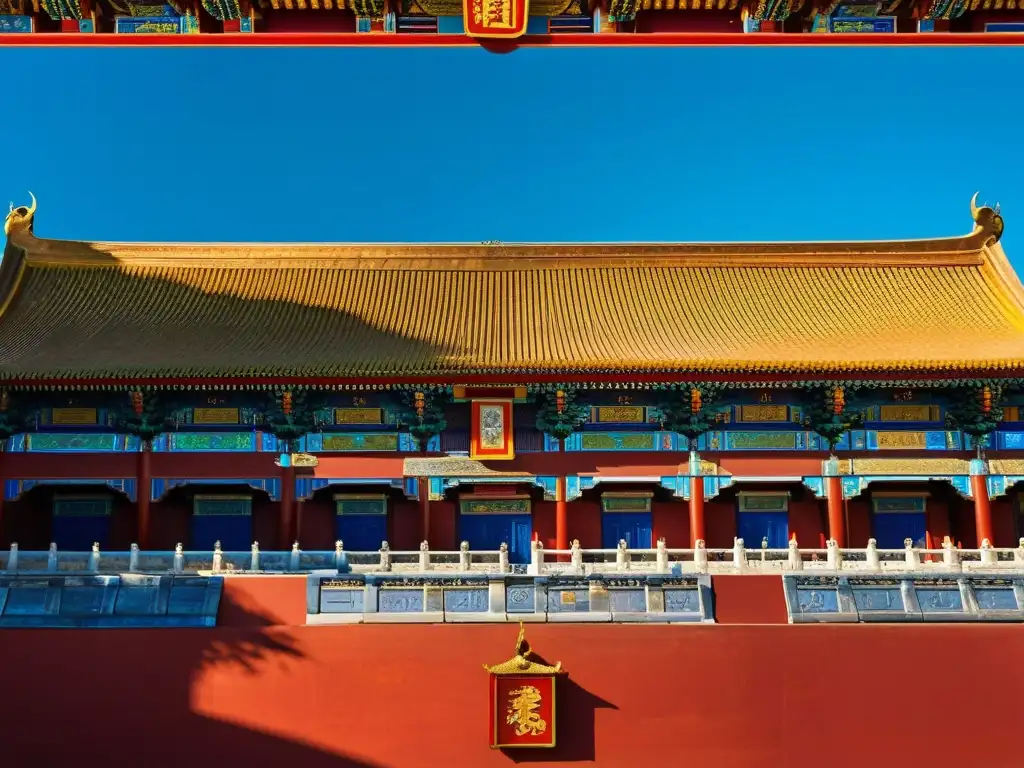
(1005, 280)
(962, 252)
(12, 272)
(956, 242)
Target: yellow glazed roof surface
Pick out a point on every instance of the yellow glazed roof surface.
(71, 310)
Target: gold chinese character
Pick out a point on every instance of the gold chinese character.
(522, 711)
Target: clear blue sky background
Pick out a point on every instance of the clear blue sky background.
(537, 145)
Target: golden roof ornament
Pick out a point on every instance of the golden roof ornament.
(987, 219)
(20, 218)
(520, 664)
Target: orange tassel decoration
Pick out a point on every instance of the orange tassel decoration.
(560, 401)
(838, 401)
(286, 403)
(420, 402)
(137, 402)
(695, 402)
(4, 400)
(986, 400)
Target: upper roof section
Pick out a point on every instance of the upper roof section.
(119, 312)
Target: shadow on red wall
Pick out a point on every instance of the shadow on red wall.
(127, 695)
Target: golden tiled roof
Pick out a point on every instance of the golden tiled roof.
(72, 310)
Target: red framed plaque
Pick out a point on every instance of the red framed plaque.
(523, 711)
(491, 435)
(496, 18)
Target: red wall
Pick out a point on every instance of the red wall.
(253, 692)
(689, 21)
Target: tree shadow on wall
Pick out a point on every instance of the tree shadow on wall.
(124, 697)
(576, 725)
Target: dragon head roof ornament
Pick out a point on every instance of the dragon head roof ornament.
(20, 218)
(988, 220)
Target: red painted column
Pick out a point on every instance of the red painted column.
(982, 506)
(561, 515)
(836, 521)
(143, 493)
(286, 510)
(424, 486)
(696, 510)
(3, 451)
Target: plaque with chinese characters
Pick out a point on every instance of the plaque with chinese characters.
(522, 699)
(491, 436)
(496, 18)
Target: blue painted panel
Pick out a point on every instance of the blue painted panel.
(488, 532)
(341, 600)
(892, 528)
(77, 533)
(1009, 26)
(521, 598)
(362, 533)
(15, 24)
(141, 25)
(234, 532)
(628, 600)
(632, 527)
(537, 25)
(1011, 441)
(846, 24)
(476, 600)
(400, 601)
(754, 527)
(811, 600)
(450, 25)
(682, 601)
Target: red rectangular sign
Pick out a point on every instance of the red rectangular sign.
(496, 18)
(522, 711)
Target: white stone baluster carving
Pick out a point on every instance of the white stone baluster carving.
(424, 556)
(661, 556)
(871, 558)
(133, 558)
(385, 556)
(576, 557)
(178, 564)
(911, 555)
(988, 554)
(950, 557)
(503, 565)
(795, 560)
(12, 559)
(621, 556)
(254, 556)
(465, 562)
(833, 555)
(739, 554)
(94, 558)
(218, 558)
(295, 558)
(51, 557)
(700, 556)
(536, 558)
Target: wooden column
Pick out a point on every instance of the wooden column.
(143, 493)
(697, 531)
(3, 489)
(982, 506)
(836, 521)
(561, 514)
(424, 487)
(285, 513)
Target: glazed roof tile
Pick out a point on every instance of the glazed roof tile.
(74, 310)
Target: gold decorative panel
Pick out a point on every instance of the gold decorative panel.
(763, 413)
(1006, 467)
(619, 414)
(73, 416)
(357, 416)
(916, 441)
(215, 416)
(909, 413)
(930, 467)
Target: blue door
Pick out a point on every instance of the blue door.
(227, 519)
(755, 527)
(362, 533)
(891, 528)
(632, 527)
(489, 532)
(80, 523)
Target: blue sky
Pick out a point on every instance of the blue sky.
(537, 145)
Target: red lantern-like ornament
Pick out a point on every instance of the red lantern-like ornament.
(560, 401)
(136, 398)
(838, 401)
(420, 403)
(986, 400)
(286, 403)
(696, 403)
